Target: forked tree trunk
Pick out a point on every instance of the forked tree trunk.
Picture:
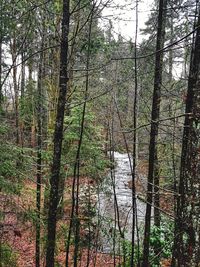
(58, 136)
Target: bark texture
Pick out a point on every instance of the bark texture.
(58, 136)
(155, 115)
(187, 232)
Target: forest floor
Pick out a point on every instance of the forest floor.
(18, 227)
(18, 231)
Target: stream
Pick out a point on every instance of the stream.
(124, 201)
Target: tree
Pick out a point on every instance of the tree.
(40, 116)
(153, 178)
(58, 136)
(186, 239)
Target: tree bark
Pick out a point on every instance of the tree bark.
(153, 162)
(22, 75)
(40, 117)
(15, 87)
(135, 111)
(58, 136)
(1, 42)
(186, 241)
(1, 93)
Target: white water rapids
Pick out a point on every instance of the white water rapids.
(124, 201)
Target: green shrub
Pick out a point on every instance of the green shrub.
(8, 257)
(161, 240)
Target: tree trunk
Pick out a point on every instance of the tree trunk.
(1, 93)
(39, 144)
(135, 103)
(22, 75)
(153, 163)
(71, 64)
(21, 121)
(171, 50)
(187, 234)
(15, 87)
(1, 41)
(58, 136)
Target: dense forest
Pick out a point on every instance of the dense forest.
(99, 133)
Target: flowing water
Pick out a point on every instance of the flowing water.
(124, 201)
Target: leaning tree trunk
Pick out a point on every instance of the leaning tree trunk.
(187, 234)
(58, 136)
(153, 178)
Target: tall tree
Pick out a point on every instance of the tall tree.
(153, 178)
(135, 104)
(40, 116)
(186, 243)
(58, 136)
